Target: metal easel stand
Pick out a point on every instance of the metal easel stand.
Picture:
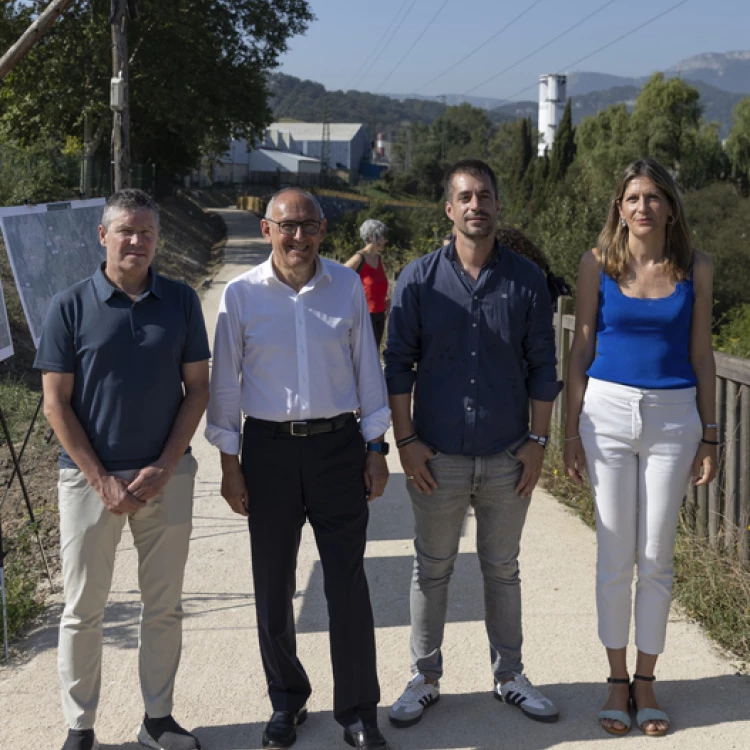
(21, 481)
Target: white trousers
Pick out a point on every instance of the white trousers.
(640, 445)
(89, 535)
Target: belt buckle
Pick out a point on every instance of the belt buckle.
(303, 425)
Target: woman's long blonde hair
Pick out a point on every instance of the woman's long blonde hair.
(613, 240)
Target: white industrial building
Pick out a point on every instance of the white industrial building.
(552, 99)
(289, 148)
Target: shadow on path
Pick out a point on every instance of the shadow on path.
(477, 720)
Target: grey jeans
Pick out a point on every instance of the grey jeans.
(486, 483)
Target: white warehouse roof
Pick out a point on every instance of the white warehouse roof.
(313, 131)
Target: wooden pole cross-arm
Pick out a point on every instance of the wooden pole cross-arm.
(32, 35)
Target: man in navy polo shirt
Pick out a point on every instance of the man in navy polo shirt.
(124, 360)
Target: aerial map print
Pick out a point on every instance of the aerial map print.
(51, 247)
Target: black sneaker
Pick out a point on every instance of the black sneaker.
(166, 734)
(80, 739)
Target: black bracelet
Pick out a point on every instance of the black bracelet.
(408, 439)
(710, 442)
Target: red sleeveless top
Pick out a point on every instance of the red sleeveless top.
(375, 283)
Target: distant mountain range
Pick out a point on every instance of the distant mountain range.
(729, 71)
(717, 104)
(722, 79)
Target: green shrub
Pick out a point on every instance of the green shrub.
(733, 336)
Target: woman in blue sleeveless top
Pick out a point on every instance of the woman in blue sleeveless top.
(640, 418)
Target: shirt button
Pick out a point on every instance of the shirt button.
(473, 354)
(468, 408)
(473, 325)
(473, 381)
(476, 296)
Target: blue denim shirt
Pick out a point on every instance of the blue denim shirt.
(481, 349)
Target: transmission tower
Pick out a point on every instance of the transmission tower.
(325, 149)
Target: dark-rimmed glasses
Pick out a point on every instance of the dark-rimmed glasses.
(311, 226)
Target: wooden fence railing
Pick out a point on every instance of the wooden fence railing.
(721, 511)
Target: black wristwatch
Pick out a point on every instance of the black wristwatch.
(541, 439)
(380, 447)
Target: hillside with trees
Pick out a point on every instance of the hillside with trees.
(310, 102)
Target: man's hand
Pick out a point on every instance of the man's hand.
(531, 455)
(150, 481)
(376, 474)
(114, 494)
(233, 487)
(414, 462)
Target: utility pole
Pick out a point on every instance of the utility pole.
(122, 11)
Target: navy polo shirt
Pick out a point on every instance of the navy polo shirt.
(127, 359)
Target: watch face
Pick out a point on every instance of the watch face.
(382, 447)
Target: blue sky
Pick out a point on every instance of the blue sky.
(346, 47)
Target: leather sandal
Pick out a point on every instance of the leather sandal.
(615, 714)
(646, 715)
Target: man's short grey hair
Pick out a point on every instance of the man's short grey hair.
(373, 230)
(304, 193)
(129, 199)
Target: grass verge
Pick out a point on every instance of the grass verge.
(713, 588)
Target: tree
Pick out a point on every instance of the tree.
(198, 75)
(665, 118)
(738, 143)
(706, 161)
(564, 147)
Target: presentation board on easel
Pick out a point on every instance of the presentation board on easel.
(51, 246)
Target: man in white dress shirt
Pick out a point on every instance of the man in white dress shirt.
(295, 353)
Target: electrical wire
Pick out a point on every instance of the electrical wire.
(544, 46)
(481, 46)
(412, 46)
(376, 47)
(390, 39)
(605, 46)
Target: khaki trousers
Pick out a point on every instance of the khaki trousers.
(89, 535)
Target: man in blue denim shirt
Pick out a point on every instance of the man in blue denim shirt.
(475, 319)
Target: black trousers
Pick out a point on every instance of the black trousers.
(378, 326)
(319, 478)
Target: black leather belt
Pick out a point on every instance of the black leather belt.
(307, 427)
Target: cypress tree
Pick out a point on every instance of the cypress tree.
(564, 147)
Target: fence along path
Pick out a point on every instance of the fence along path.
(721, 511)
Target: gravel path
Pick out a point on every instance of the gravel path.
(220, 687)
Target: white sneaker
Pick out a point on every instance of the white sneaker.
(521, 693)
(408, 709)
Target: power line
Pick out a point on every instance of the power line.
(544, 46)
(390, 39)
(377, 46)
(481, 46)
(609, 44)
(413, 45)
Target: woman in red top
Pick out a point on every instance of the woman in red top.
(369, 265)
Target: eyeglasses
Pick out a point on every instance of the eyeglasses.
(311, 226)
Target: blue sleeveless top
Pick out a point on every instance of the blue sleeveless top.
(644, 343)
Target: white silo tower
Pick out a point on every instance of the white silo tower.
(552, 98)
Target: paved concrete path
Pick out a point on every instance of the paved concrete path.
(220, 687)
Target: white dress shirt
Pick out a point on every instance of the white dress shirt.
(283, 355)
